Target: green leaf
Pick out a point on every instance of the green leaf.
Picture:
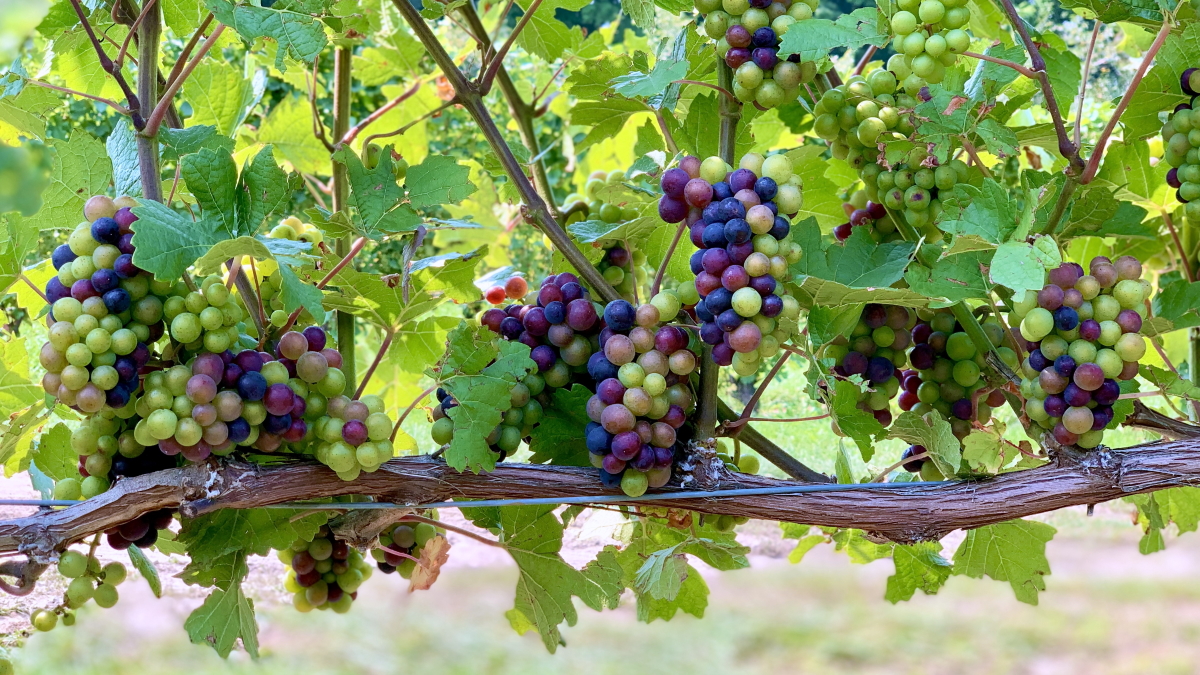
(1144, 13)
(122, 151)
(1022, 266)
(986, 212)
(692, 598)
(984, 449)
(222, 96)
(999, 140)
(147, 569)
(636, 83)
(16, 391)
(176, 143)
(821, 199)
(815, 38)
(1013, 551)
(303, 151)
(299, 35)
(18, 238)
(374, 66)
(1179, 303)
(16, 436)
(558, 440)
(263, 189)
(858, 547)
(225, 617)
(54, 455)
(1169, 382)
(662, 575)
(212, 177)
(933, 432)
(858, 425)
(79, 169)
(167, 242)
(376, 197)
(990, 79)
(859, 262)
(1063, 68)
(437, 181)
(954, 277)
(805, 541)
(1159, 90)
(1159, 509)
(252, 531)
(918, 566)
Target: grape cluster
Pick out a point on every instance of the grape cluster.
(141, 532)
(294, 229)
(1181, 147)
(748, 34)
(207, 319)
(624, 268)
(406, 538)
(591, 204)
(915, 193)
(324, 573)
(951, 372)
(104, 312)
(738, 220)
(1083, 335)
(876, 350)
(854, 116)
(642, 397)
(518, 422)
(89, 581)
(929, 36)
(862, 212)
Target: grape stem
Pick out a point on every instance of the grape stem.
(1004, 62)
(160, 110)
(535, 209)
(1087, 68)
(121, 53)
(414, 518)
(1060, 206)
(485, 80)
(99, 99)
(114, 69)
(866, 58)
(710, 85)
(884, 474)
(149, 171)
(354, 250)
(662, 267)
(1093, 164)
(741, 421)
(432, 113)
(1183, 256)
(409, 409)
(770, 451)
(355, 130)
(187, 49)
(318, 126)
(1167, 360)
(737, 425)
(383, 349)
(394, 552)
(970, 148)
(672, 147)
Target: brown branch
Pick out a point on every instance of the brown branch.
(1152, 420)
(866, 58)
(1004, 62)
(383, 349)
(485, 80)
(113, 69)
(535, 209)
(187, 49)
(1093, 164)
(1183, 256)
(739, 423)
(970, 148)
(354, 249)
(1087, 68)
(383, 110)
(672, 146)
(411, 124)
(318, 128)
(146, 7)
(149, 168)
(409, 409)
(173, 86)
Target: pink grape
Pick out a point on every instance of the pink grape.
(216, 433)
(1064, 276)
(746, 337)
(1050, 297)
(198, 452)
(333, 357)
(292, 345)
(1088, 376)
(296, 432)
(626, 445)
(209, 364)
(698, 192)
(278, 399)
(204, 414)
(1129, 321)
(356, 410)
(201, 388)
(312, 366)
(1128, 267)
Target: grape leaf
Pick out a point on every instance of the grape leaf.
(18, 238)
(932, 431)
(221, 95)
(859, 262)
(636, 83)
(54, 455)
(225, 617)
(176, 143)
(858, 425)
(692, 598)
(253, 531)
(1022, 266)
(262, 189)
(374, 66)
(986, 212)
(122, 151)
(533, 537)
(954, 277)
(1169, 382)
(998, 139)
(597, 106)
(990, 79)
(437, 181)
(212, 177)
(303, 151)
(289, 255)
(147, 569)
(1062, 67)
(1157, 510)
(16, 391)
(1013, 551)
(299, 35)
(1128, 168)
(1179, 303)
(662, 575)
(544, 35)
(918, 566)
(821, 200)
(376, 198)
(79, 169)
(1144, 13)
(482, 400)
(985, 450)
(16, 437)
(805, 541)
(167, 242)
(815, 38)
(858, 547)
(559, 438)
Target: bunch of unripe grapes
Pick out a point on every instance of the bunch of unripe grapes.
(863, 212)
(406, 539)
(89, 582)
(208, 319)
(855, 115)
(929, 36)
(624, 268)
(518, 422)
(294, 229)
(951, 371)
(1083, 333)
(876, 351)
(108, 448)
(739, 221)
(324, 573)
(642, 397)
(748, 34)
(914, 193)
(1181, 140)
(105, 312)
(353, 436)
(591, 204)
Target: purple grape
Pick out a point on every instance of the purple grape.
(1102, 416)
(239, 430)
(766, 187)
(780, 229)
(921, 333)
(644, 461)
(732, 208)
(742, 179)
(55, 290)
(875, 316)
(105, 280)
(116, 398)
(911, 451)
(672, 210)
(760, 4)
(711, 333)
(1129, 321)
(718, 301)
(62, 255)
(855, 363)
(673, 182)
(1108, 393)
(962, 409)
(1050, 297)
(703, 314)
(249, 361)
(544, 357)
(1065, 366)
(736, 56)
(619, 256)
(556, 312)
(600, 368)
(354, 432)
(1076, 397)
(277, 424)
(695, 262)
(1185, 82)
(626, 445)
(106, 231)
(598, 440)
(670, 339)
(1172, 180)
(739, 252)
(880, 370)
(737, 231)
(772, 306)
(511, 328)
(698, 193)
(581, 315)
(233, 373)
(722, 191)
(765, 285)
(209, 364)
(252, 386)
(1038, 360)
(140, 354)
(715, 261)
(1089, 376)
(765, 57)
(1089, 329)
(316, 338)
(124, 267)
(571, 291)
(619, 315)
(1055, 405)
(610, 474)
(535, 322)
(1066, 318)
(921, 357)
(663, 457)
(127, 368)
(711, 213)
(722, 354)
(729, 320)
(610, 391)
(560, 335)
(117, 300)
(125, 244)
(713, 236)
(125, 219)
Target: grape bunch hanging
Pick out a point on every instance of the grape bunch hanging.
(854, 116)
(928, 37)
(324, 573)
(876, 351)
(399, 548)
(1181, 140)
(738, 218)
(518, 422)
(1083, 334)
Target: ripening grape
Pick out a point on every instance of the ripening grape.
(324, 573)
(740, 224)
(141, 532)
(748, 35)
(927, 36)
(526, 401)
(1180, 152)
(400, 548)
(1083, 336)
(876, 351)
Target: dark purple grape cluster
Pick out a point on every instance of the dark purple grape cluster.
(324, 573)
(141, 532)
